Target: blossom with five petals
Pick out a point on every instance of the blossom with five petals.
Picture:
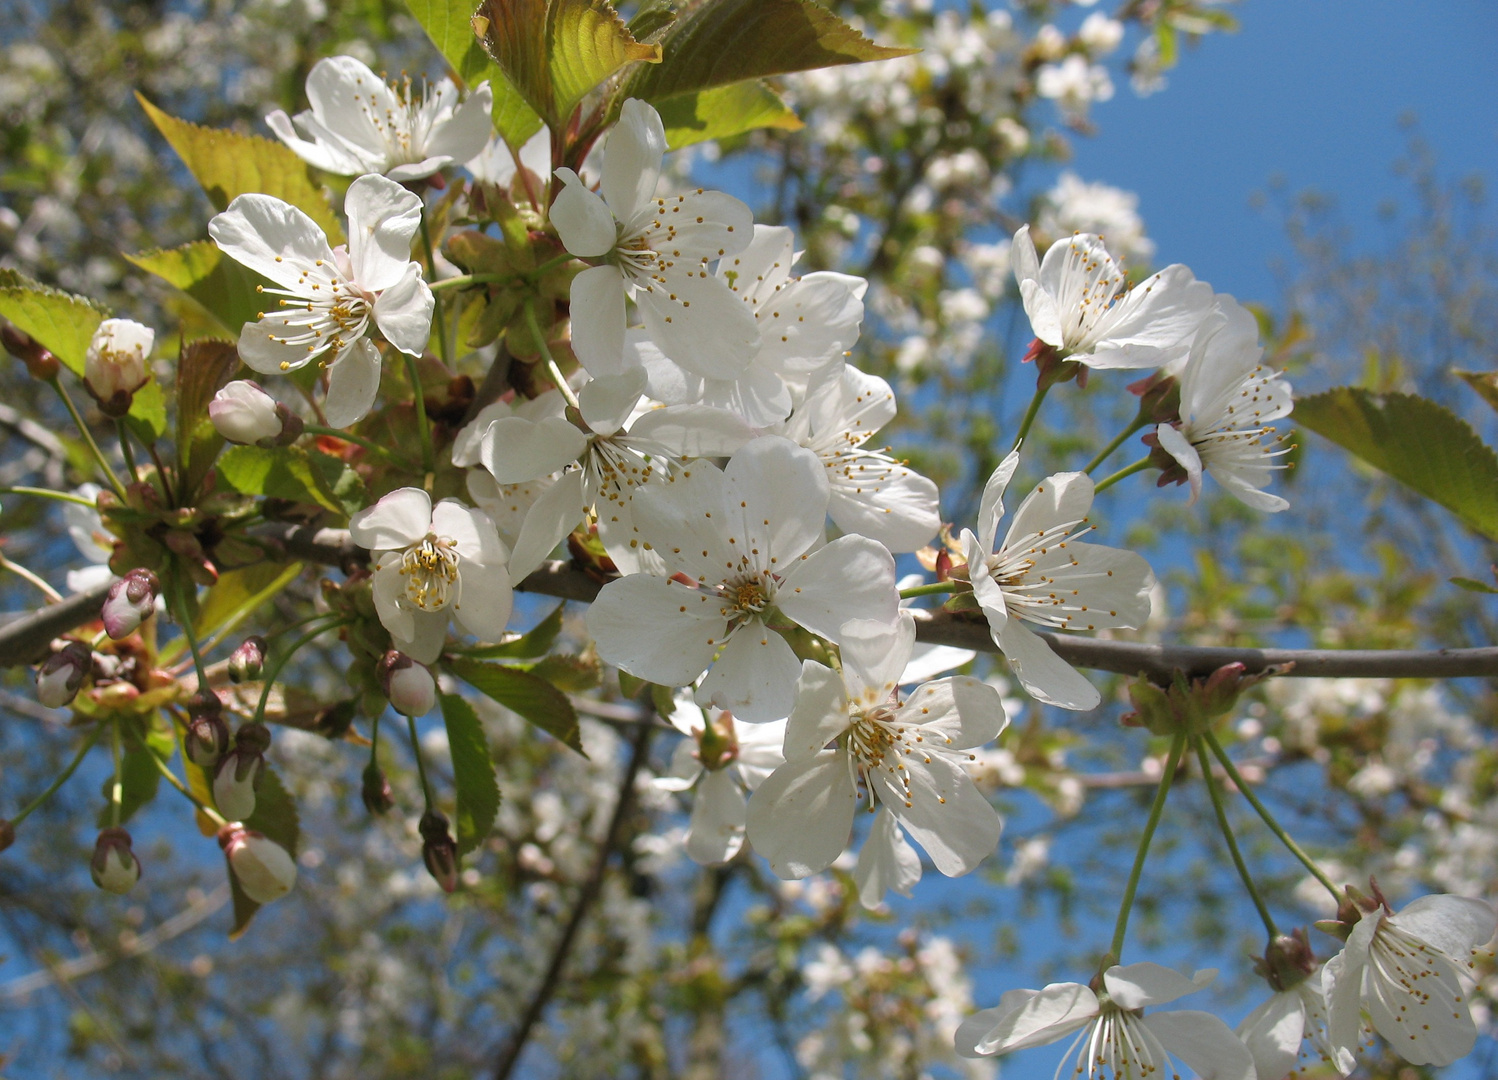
(328, 296)
(1079, 303)
(907, 754)
(1042, 573)
(360, 124)
(741, 546)
(656, 251)
(1227, 402)
(432, 563)
(1116, 1040)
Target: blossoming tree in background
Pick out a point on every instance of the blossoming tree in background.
(507, 349)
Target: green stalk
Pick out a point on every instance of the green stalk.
(1041, 390)
(1108, 481)
(1106, 452)
(88, 437)
(171, 777)
(462, 281)
(62, 777)
(421, 769)
(438, 316)
(552, 369)
(45, 493)
(1232, 842)
(423, 425)
(275, 669)
(1274, 826)
(1172, 762)
(931, 589)
(117, 787)
(185, 619)
(52, 595)
(125, 451)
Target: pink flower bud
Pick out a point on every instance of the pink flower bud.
(114, 866)
(438, 851)
(40, 363)
(376, 792)
(207, 732)
(264, 869)
(130, 600)
(247, 661)
(243, 413)
(409, 686)
(61, 674)
(238, 772)
(115, 367)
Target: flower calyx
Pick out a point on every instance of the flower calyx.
(61, 674)
(207, 732)
(39, 361)
(438, 849)
(1354, 906)
(114, 866)
(238, 773)
(717, 745)
(1189, 706)
(1287, 961)
(248, 660)
(375, 790)
(130, 600)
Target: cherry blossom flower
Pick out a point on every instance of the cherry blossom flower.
(1115, 1039)
(1404, 972)
(432, 563)
(1042, 573)
(1227, 402)
(1074, 84)
(329, 295)
(601, 467)
(656, 251)
(907, 754)
(1279, 1032)
(1078, 302)
(741, 546)
(720, 761)
(507, 505)
(115, 365)
(806, 324)
(872, 493)
(495, 163)
(360, 124)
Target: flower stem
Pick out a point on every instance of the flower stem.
(421, 769)
(1106, 452)
(423, 425)
(117, 787)
(462, 281)
(275, 669)
(208, 811)
(62, 777)
(185, 619)
(549, 265)
(46, 493)
(374, 739)
(88, 437)
(52, 595)
(439, 316)
(1041, 390)
(125, 451)
(358, 440)
(1172, 762)
(1227, 834)
(1274, 826)
(931, 589)
(551, 364)
(1129, 470)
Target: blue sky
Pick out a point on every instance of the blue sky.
(1310, 90)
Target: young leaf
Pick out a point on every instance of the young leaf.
(224, 288)
(728, 41)
(723, 112)
(140, 779)
(1419, 443)
(568, 672)
(203, 369)
(533, 698)
(473, 773)
(555, 51)
(536, 641)
(1485, 383)
(289, 472)
(238, 593)
(227, 164)
(147, 415)
(1472, 585)
(450, 25)
(64, 323)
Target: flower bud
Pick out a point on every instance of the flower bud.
(247, 661)
(243, 413)
(238, 772)
(114, 866)
(376, 792)
(263, 868)
(61, 674)
(115, 367)
(207, 731)
(438, 850)
(39, 361)
(409, 686)
(130, 600)
(7, 833)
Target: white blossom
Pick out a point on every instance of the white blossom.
(1074, 84)
(1280, 1032)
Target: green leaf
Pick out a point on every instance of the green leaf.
(555, 51)
(203, 369)
(224, 288)
(450, 25)
(728, 41)
(1419, 443)
(473, 773)
(515, 120)
(228, 164)
(147, 415)
(568, 672)
(238, 593)
(651, 17)
(64, 323)
(536, 641)
(289, 472)
(140, 779)
(723, 112)
(275, 816)
(1485, 383)
(533, 698)
(1472, 585)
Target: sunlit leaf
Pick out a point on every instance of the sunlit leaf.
(289, 472)
(238, 593)
(535, 642)
(203, 369)
(473, 773)
(531, 697)
(723, 112)
(64, 323)
(224, 288)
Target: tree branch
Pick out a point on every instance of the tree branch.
(24, 640)
(510, 1056)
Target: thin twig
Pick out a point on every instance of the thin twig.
(510, 1056)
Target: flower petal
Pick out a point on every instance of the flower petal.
(345, 97)
(263, 348)
(820, 713)
(851, 578)
(1056, 500)
(403, 312)
(271, 237)
(353, 384)
(753, 677)
(689, 431)
(719, 810)
(632, 159)
(986, 590)
(991, 505)
(638, 625)
(944, 812)
(1133, 986)
(583, 222)
(464, 134)
(382, 220)
(607, 401)
(800, 817)
(554, 514)
(1026, 1018)
(398, 520)
(483, 606)
(471, 531)
(428, 636)
(965, 711)
(598, 320)
(874, 654)
(697, 322)
(776, 497)
(1273, 1033)
(1175, 443)
(1454, 924)
(886, 861)
(516, 450)
(1203, 1042)
(1044, 675)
